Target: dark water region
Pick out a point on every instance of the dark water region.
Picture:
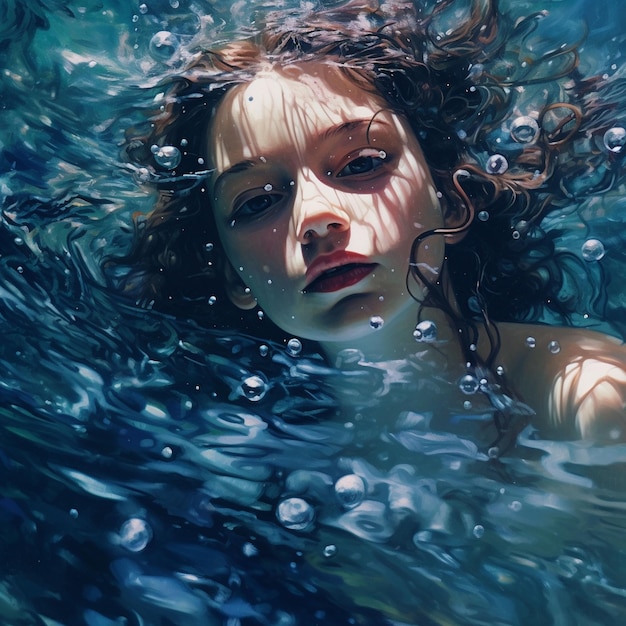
(157, 473)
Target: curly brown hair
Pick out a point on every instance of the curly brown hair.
(514, 136)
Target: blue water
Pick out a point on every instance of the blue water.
(156, 473)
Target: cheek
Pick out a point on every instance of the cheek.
(405, 209)
(255, 261)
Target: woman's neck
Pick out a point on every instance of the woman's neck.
(395, 340)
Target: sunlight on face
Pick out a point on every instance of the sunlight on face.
(319, 191)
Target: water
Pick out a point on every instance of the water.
(154, 472)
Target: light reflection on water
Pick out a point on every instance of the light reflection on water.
(157, 473)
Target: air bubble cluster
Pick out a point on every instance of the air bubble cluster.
(425, 332)
(168, 157)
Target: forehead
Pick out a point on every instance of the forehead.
(286, 106)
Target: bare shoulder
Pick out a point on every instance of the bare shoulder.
(574, 378)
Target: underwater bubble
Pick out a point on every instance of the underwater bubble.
(469, 384)
(493, 452)
(208, 247)
(524, 129)
(264, 350)
(253, 388)
(73, 513)
(483, 216)
(174, 4)
(615, 139)
(350, 490)
(212, 300)
(168, 157)
(522, 227)
(500, 370)
(425, 332)
(295, 513)
(143, 9)
(592, 250)
(376, 322)
(516, 506)
(167, 452)
(479, 531)
(163, 45)
(294, 347)
(531, 342)
(268, 187)
(330, 550)
(467, 405)
(496, 164)
(135, 534)
(554, 347)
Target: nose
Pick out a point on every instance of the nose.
(318, 211)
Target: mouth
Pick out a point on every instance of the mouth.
(339, 277)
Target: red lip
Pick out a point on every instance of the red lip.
(337, 271)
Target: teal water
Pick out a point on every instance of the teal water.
(156, 473)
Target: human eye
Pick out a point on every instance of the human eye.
(363, 162)
(256, 204)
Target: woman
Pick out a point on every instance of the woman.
(359, 171)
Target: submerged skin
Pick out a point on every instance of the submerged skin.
(313, 173)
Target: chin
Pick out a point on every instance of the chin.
(356, 331)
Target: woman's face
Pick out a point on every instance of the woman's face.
(319, 191)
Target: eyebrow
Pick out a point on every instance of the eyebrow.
(329, 133)
(333, 131)
(242, 166)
